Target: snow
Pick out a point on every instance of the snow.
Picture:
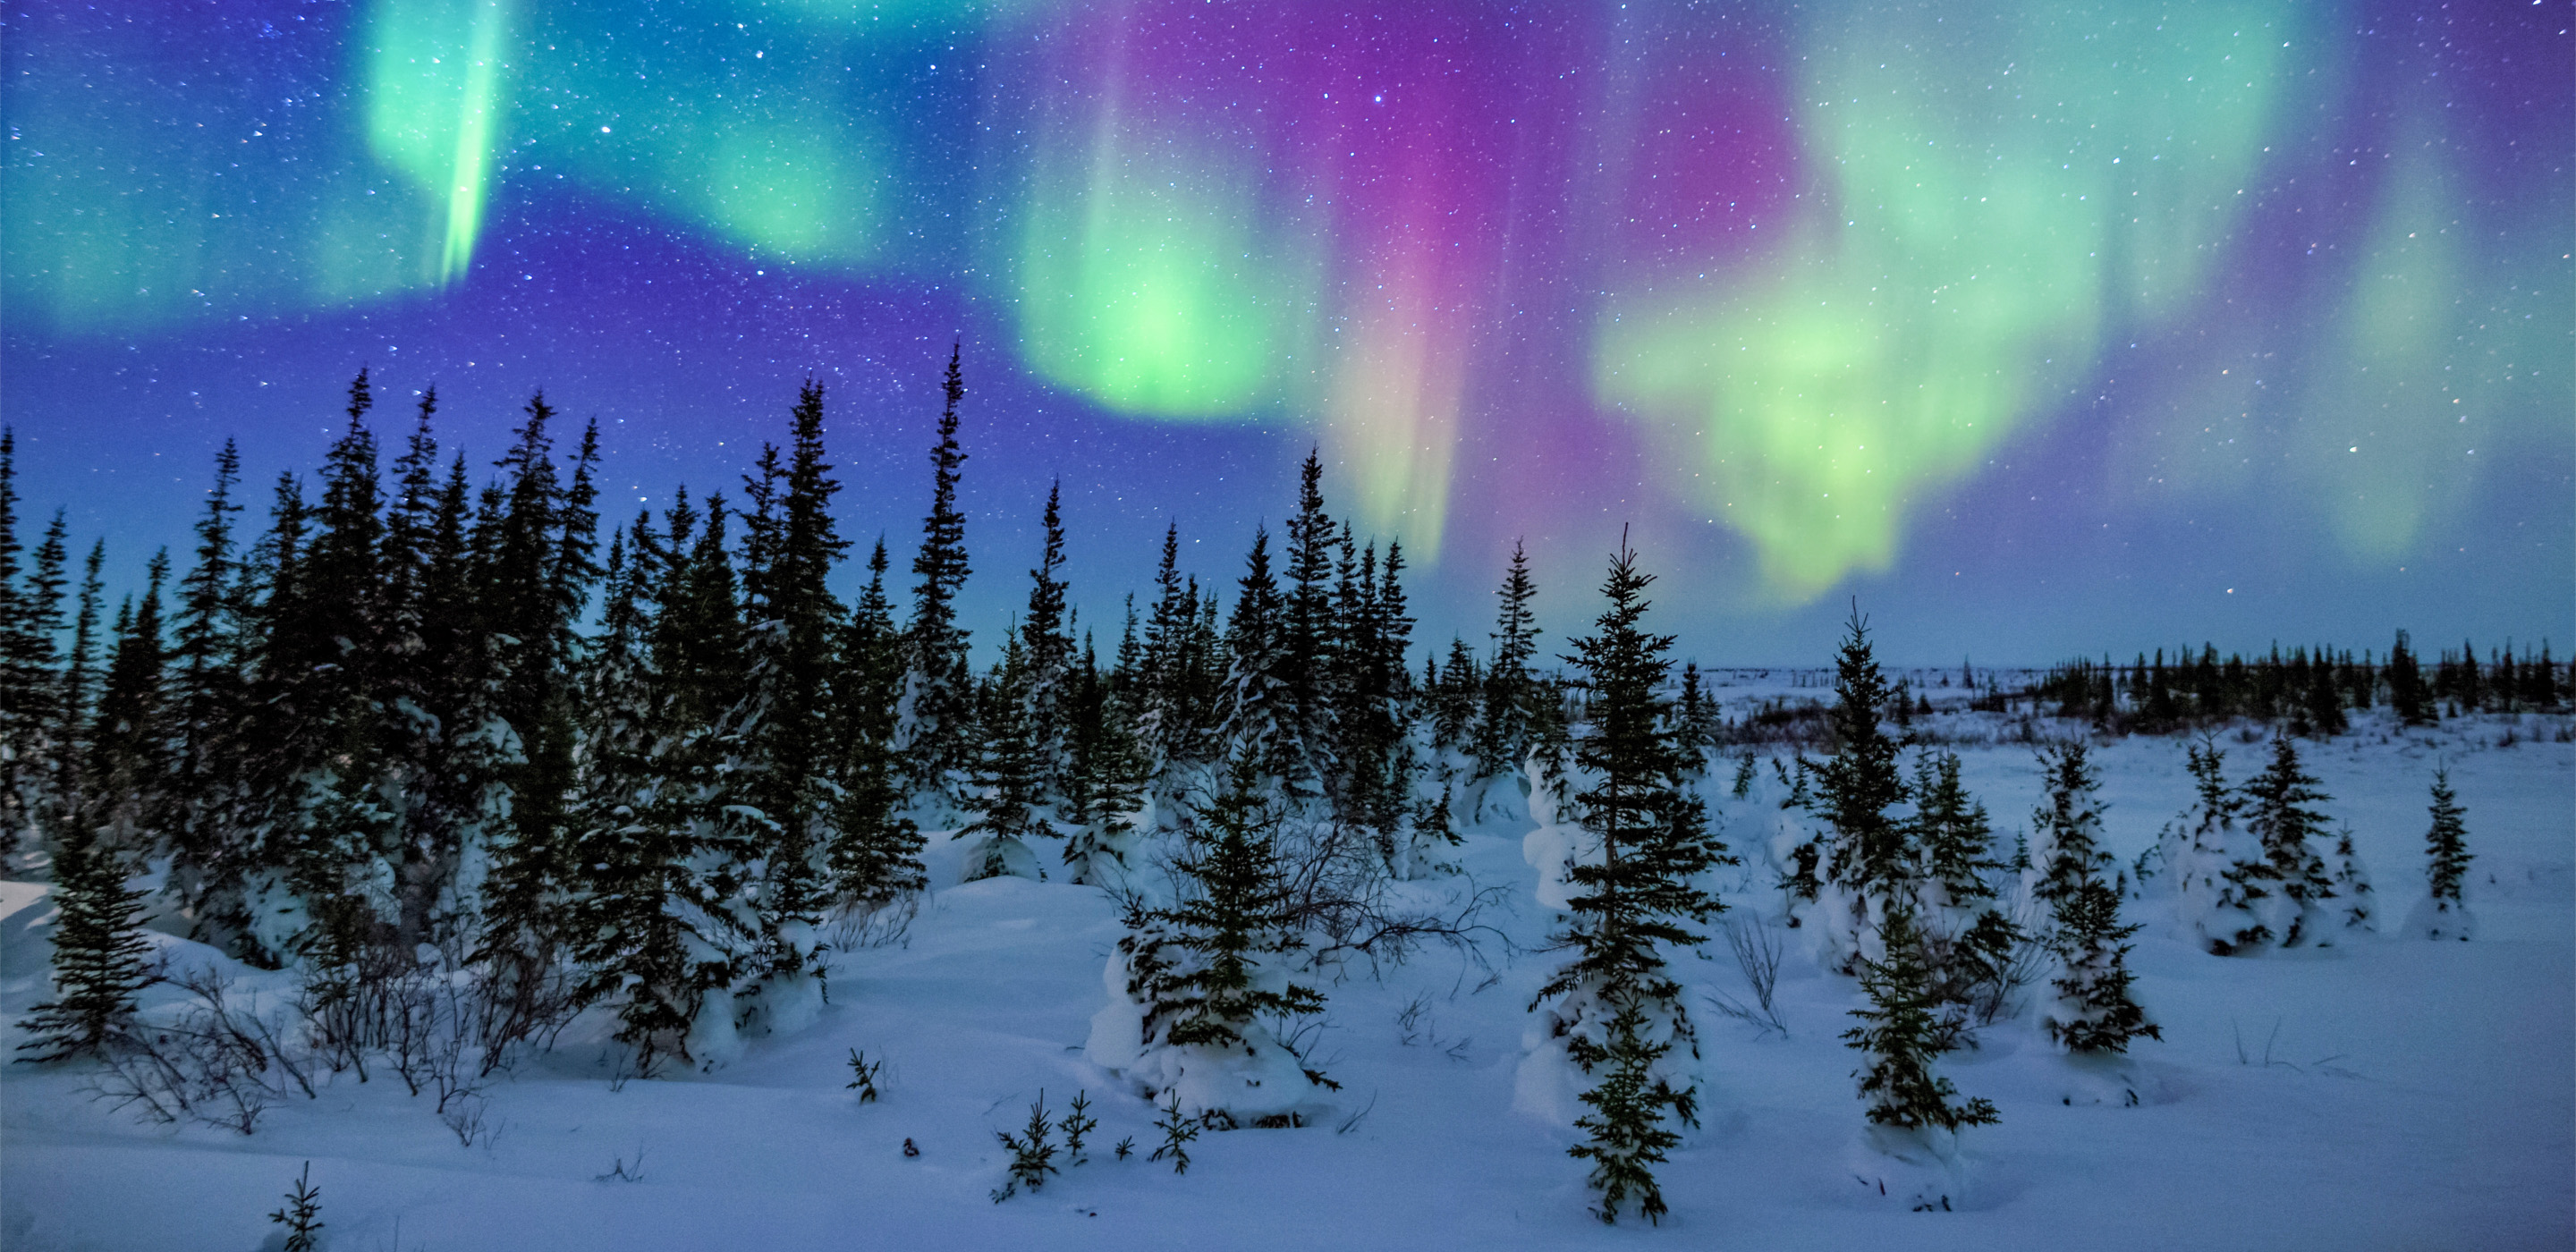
(2384, 1092)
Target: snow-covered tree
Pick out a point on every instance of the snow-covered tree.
(1198, 988)
(1862, 860)
(2094, 1012)
(1914, 1112)
(1625, 1131)
(2444, 914)
(1967, 937)
(1103, 781)
(2066, 831)
(2276, 808)
(1636, 893)
(1259, 712)
(2226, 892)
(1008, 801)
(874, 853)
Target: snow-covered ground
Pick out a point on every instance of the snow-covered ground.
(2379, 1094)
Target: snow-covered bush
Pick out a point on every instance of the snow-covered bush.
(1201, 992)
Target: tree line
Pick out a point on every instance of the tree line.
(447, 722)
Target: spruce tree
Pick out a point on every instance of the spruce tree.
(2446, 914)
(1503, 734)
(2406, 694)
(1046, 639)
(1863, 859)
(1640, 897)
(1009, 801)
(98, 958)
(2277, 812)
(1309, 638)
(1213, 978)
(1625, 1130)
(205, 697)
(1454, 690)
(1901, 1038)
(2066, 831)
(874, 856)
(536, 539)
(1967, 940)
(2226, 891)
(28, 796)
(1103, 776)
(934, 720)
(78, 689)
(2094, 1012)
(1259, 713)
(121, 779)
(782, 764)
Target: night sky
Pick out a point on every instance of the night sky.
(2039, 328)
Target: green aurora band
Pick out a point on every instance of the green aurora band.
(1950, 266)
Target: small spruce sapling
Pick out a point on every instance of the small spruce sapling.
(1032, 1152)
(1178, 1131)
(2444, 915)
(1077, 1124)
(1126, 1147)
(302, 1214)
(863, 1076)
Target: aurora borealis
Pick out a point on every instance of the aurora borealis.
(2037, 327)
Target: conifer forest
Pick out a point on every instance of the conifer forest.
(1287, 625)
(429, 785)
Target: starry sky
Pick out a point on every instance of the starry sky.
(2036, 328)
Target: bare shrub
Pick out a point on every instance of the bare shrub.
(219, 1062)
(1757, 949)
(875, 924)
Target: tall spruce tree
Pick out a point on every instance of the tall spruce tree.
(1309, 638)
(1009, 802)
(205, 708)
(1615, 1006)
(1503, 733)
(782, 774)
(1863, 856)
(1103, 775)
(1259, 723)
(537, 537)
(1047, 639)
(2066, 842)
(2406, 694)
(120, 787)
(934, 722)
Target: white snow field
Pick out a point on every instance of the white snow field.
(2379, 1094)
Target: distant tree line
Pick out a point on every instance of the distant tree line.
(2309, 690)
